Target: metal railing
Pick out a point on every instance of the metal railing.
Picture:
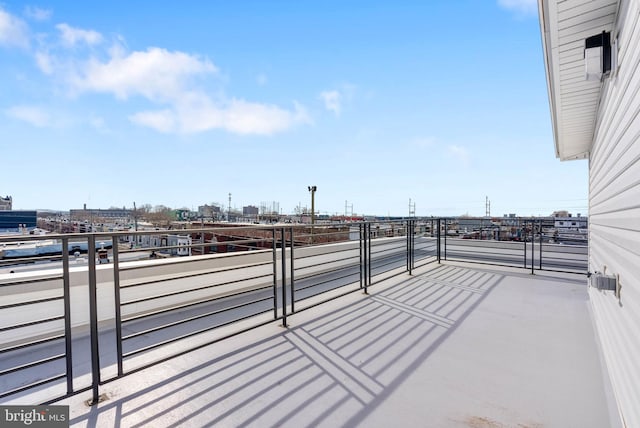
(111, 304)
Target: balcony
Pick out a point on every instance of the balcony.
(367, 324)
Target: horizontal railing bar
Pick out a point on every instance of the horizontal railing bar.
(382, 256)
(193, 318)
(305, 236)
(28, 259)
(344, 250)
(32, 385)
(453, 253)
(32, 364)
(191, 290)
(32, 302)
(200, 346)
(188, 305)
(196, 244)
(515, 264)
(194, 333)
(354, 259)
(354, 264)
(178, 260)
(194, 275)
(393, 250)
(30, 281)
(34, 343)
(327, 281)
(379, 265)
(30, 323)
(234, 239)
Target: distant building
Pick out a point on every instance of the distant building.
(183, 214)
(208, 211)
(95, 214)
(250, 210)
(570, 223)
(6, 203)
(14, 221)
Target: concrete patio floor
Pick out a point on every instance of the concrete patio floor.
(453, 345)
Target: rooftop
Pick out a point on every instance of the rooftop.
(451, 345)
(574, 101)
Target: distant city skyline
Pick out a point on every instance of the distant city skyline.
(375, 103)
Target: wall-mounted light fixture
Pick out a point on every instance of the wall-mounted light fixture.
(597, 56)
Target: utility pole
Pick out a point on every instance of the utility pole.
(412, 208)
(487, 206)
(229, 208)
(135, 216)
(346, 209)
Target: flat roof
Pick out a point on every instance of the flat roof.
(451, 345)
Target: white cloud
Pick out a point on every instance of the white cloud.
(172, 82)
(162, 120)
(44, 62)
(165, 78)
(199, 114)
(156, 74)
(459, 153)
(37, 14)
(13, 31)
(522, 7)
(36, 116)
(72, 36)
(332, 101)
(336, 99)
(244, 117)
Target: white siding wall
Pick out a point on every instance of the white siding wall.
(614, 209)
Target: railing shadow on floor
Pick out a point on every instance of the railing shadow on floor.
(334, 368)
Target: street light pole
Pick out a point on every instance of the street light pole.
(313, 189)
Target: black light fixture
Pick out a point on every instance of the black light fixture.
(597, 56)
(313, 189)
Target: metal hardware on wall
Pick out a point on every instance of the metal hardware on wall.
(597, 56)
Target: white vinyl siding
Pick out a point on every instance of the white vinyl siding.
(614, 215)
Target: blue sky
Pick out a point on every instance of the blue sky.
(375, 103)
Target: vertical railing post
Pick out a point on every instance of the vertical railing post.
(413, 246)
(275, 273)
(283, 262)
(116, 296)
(524, 240)
(369, 259)
(438, 241)
(446, 229)
(367, 256)
(93, 319)
(408, 248)
(540, 243)
(291, 272)
(361, 248)
(67, 314)
(533, 250)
